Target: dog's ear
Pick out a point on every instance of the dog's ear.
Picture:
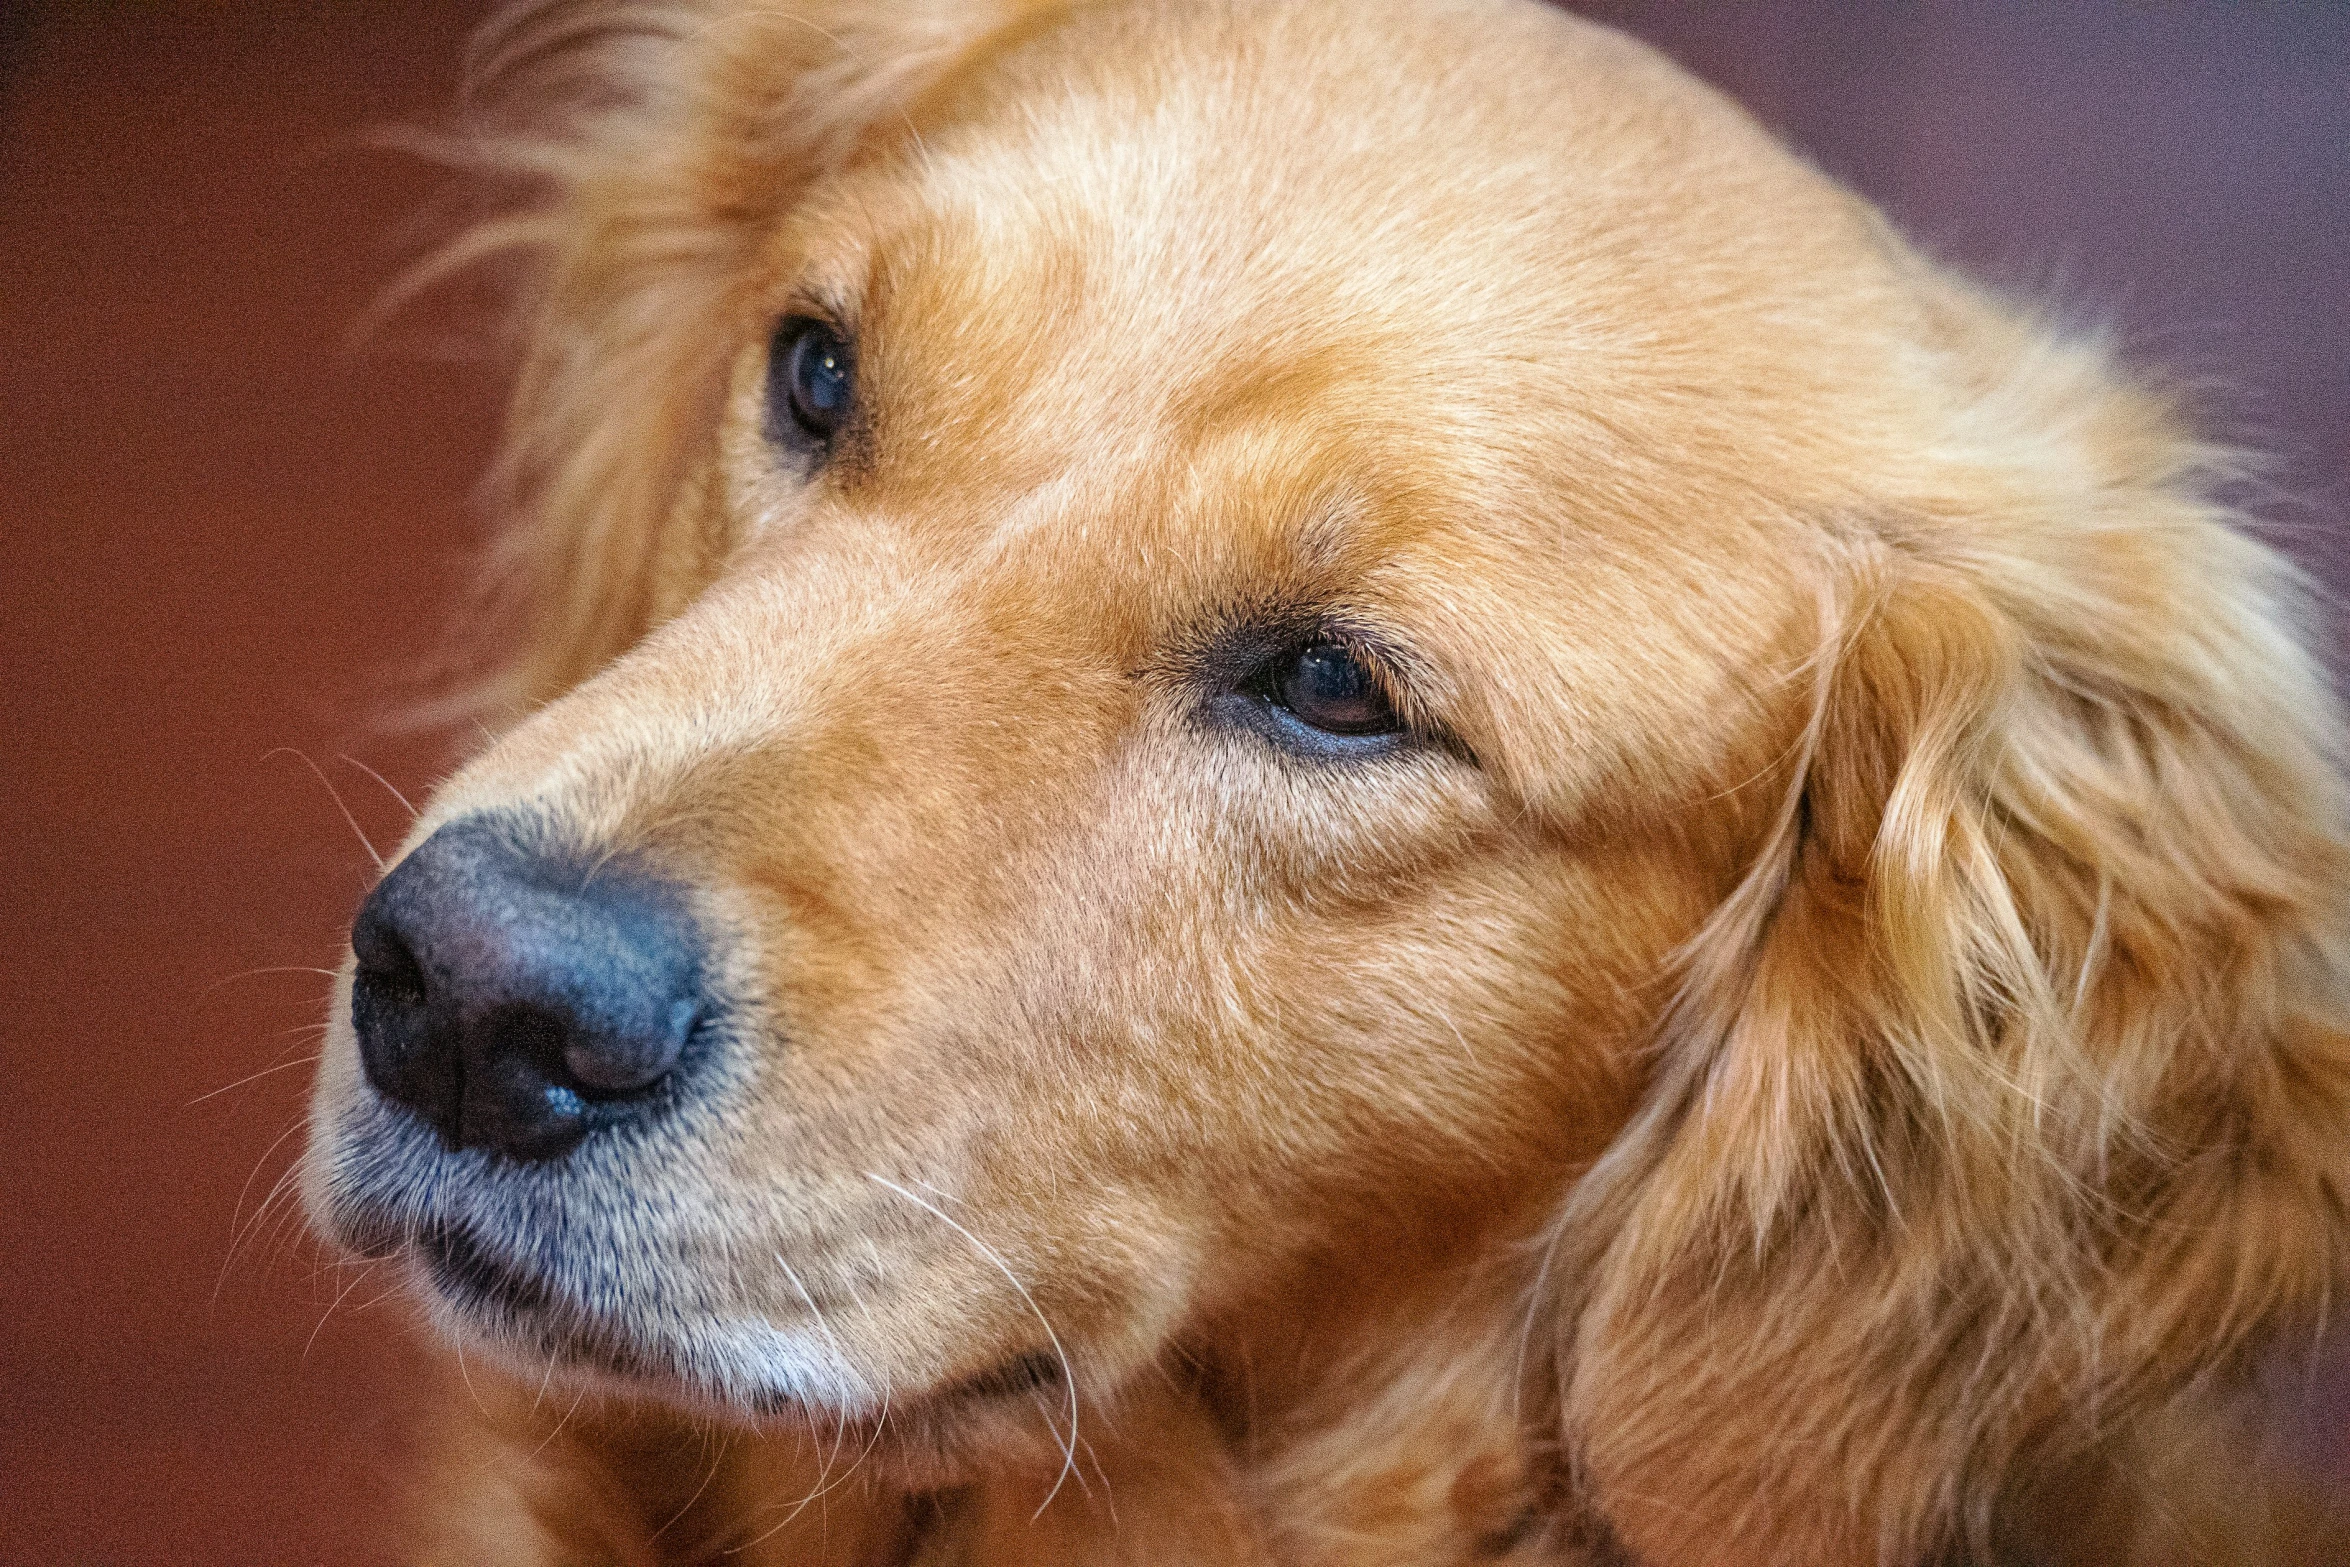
(658, 142)
(2007, 1101)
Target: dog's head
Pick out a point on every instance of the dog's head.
(1179, 638)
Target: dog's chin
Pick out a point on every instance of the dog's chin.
(747, 1374)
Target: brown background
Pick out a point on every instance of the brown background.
(224, 531)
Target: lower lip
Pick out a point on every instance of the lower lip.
(1031, 1373)
(522, 1305)
(464, 1272)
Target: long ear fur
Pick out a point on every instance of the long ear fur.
(662, 140)
(2005, 1110)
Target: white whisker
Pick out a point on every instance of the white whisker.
(281, 968)
(341, 1295)
(548, 1439)
(1068, 1443)
(252, 1077)
(717, 1462)
(381, 779)
(328, 785)
(238, 1231)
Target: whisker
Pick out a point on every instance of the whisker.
(381, 779)
(281, 968)
(340, 1295)
(824, 1485)
(398, 1286)
(825, 1482)
(328, 785)
(267, 1230)
(840, 1430)
(546, 1380)
(237, 1213)
(253, 1077)
(576, 1398)
(1068, 1444)
(817, 1312)
(465, 1376)
(1109, 1502)
(872, 1440)
(717, 1462)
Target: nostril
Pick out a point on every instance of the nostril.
(626, 1063)
(387, 967)
(391, 1012)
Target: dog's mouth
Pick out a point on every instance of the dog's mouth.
(523, 1310)
(1037, 1371)
(467, 1273)
(526, 1311)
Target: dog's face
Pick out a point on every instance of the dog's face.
(1216, 621)
(1230, 591)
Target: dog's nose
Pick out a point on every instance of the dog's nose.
(519, 1000)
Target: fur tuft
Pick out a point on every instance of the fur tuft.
(651, 147)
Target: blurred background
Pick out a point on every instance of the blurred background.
(227, 537)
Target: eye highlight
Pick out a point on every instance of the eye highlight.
(811, 380)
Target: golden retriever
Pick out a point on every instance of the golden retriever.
(1327, 783)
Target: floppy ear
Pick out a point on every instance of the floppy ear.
(2006, 1104)
(660, 142)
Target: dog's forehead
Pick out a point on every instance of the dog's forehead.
(1323, 300)
(1594, 270)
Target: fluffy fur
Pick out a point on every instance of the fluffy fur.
(1830, 1051)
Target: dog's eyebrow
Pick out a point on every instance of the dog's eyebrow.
(1263, 625)
(823, 302)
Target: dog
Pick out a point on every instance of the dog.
(1328, 783)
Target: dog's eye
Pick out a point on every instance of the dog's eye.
(1329, 688)
(811, 377)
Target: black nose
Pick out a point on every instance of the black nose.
(519, 1000)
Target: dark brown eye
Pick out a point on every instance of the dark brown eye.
(811, 380)
(1327, 687)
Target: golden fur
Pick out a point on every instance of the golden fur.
(1838, 1055)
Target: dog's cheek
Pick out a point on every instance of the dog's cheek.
(1260, 1046)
